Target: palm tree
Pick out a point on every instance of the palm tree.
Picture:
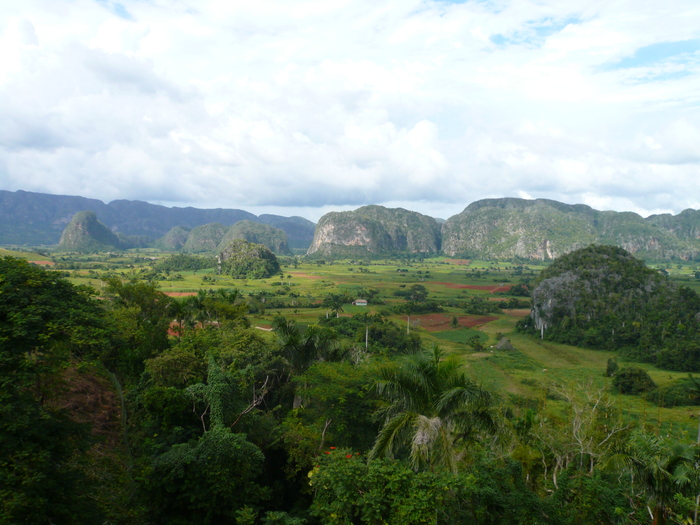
(178, 309)
(433, 405)
(660, 468)
(301, 348)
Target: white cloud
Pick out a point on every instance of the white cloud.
(313, 104)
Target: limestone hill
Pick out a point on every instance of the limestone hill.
(603, 297)
(375, 230)
(85, 233)
(246, 260)
(174, 240)
(205, 238)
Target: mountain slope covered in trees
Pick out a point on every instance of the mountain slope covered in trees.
(603, 297)
(545, 229)
(86, 234)
(274, 238)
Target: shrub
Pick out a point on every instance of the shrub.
(633, 380)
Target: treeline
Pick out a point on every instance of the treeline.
(138, 409)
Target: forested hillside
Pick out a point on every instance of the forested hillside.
(603, 297)
(545, 229)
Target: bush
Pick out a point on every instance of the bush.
(682, 392)
(612, 368)
(633, 380)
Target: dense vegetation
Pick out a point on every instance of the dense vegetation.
(205, 238)
(246, 260)
(174, 240)
(603, 297)
(137, 408)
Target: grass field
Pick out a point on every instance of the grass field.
(29, 256)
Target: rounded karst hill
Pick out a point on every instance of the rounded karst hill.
(174, 240)
(205, 238)
(246, 260)
(603, 297)
(274, 238)
(85, 233)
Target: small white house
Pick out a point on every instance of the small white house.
(359, 302)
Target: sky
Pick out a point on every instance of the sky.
(300, 107)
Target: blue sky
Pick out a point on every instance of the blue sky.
(299, 108)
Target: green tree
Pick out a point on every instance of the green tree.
(301, 348)
(211, 479)
(418, 293)
(611, 368)
(433, 406)
(633, 380)
(660, 468)
(45, 321)
(334, 302)
(140, 316)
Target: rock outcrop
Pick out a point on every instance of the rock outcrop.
(375, 230)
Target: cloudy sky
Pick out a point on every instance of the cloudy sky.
(299, 107)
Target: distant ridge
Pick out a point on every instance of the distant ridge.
(545, 229)
(28, 218)
(505, 228)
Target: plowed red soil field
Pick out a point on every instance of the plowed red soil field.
(179, 294)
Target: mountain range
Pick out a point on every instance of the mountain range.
(28, 218)
(490, 228)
